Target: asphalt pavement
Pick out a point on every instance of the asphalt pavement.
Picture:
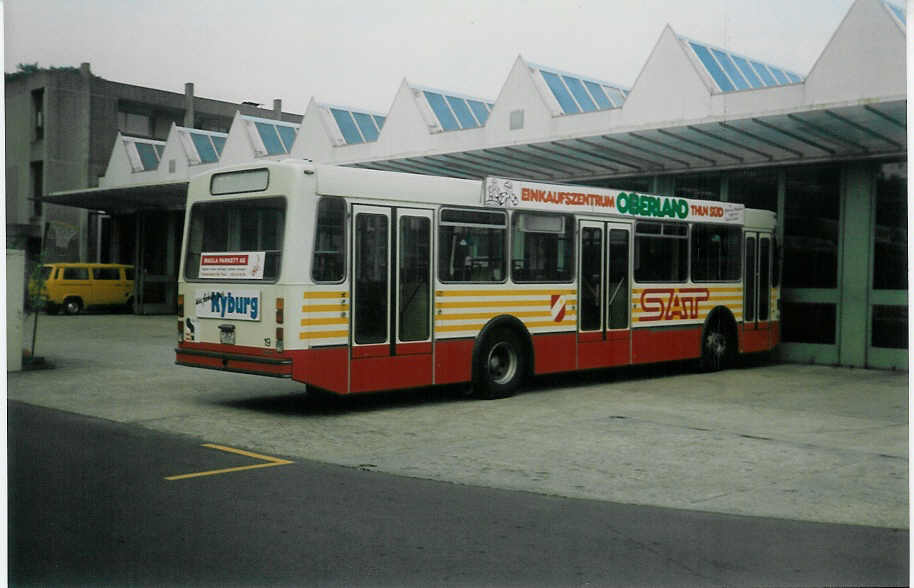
(794, 442)
(93, 502)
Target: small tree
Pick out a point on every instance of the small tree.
(36, 297)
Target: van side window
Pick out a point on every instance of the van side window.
(76, 273)
(106, 273)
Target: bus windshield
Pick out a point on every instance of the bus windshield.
(239, 226)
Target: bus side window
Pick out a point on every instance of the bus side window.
(471, 246)
(661, 252)
(328, 263)
(543, 247)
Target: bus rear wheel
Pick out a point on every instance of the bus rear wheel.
(500, 365)
(716, 346)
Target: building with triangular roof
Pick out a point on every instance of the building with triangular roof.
(825, 149)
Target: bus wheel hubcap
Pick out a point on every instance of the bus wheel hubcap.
(717, 344)
(502, 362)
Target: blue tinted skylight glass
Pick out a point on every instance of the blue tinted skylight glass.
(561, 94)
(460, 108)
(147, 156)
(379, 120)
(160, 149)
(763, 73)
(270, 139)
(347, 126)
(219, 142)
(597, 92)
(366, 125)
(204, 147)
(288, 136)
(778, 75)
(480, 110)
(793, 77)
(744, 67)
(708, 60)
(580, 94)
(899, 12)
(731, 70)
(615, 95)
(447, 120)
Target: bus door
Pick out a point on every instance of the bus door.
(757, 291)
(391, 298)
(604, 294)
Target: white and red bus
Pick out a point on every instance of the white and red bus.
(354, 280)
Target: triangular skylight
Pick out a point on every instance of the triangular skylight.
(732, 72)
(898, 12)
(576, 94)
(143, 154)
(202, 146)
(452, 111)
(355, 126)
(270, 137)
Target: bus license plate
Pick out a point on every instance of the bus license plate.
(227, 335)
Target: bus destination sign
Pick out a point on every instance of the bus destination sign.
(504, 193)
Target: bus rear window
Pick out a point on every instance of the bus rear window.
(249, 226)
(329, 249)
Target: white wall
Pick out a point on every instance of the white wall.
(15, 310)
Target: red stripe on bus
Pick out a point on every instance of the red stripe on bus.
(760, 338)
(454, 361)
(326, 368)
(656, 345)
(554, 353)
(387, 373)
(598, 353)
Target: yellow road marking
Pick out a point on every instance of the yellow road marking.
(270, 462)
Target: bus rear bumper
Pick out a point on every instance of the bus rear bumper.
(244, 363)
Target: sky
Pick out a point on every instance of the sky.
(357, 53)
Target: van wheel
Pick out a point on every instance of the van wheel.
(72, 305)
(500, 365)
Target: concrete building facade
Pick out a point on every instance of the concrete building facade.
(61, 124)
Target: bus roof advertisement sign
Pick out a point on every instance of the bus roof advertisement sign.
(232, 265)
(504, 193)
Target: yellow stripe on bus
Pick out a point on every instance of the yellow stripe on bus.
(325, 307)
(323, 334)
(336, 320)
(499, 304)
(488, 315)
(475, 326)
(503, 292)
(327, 294)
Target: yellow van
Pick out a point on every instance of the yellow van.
(75, 286)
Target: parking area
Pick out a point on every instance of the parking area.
(800, 442)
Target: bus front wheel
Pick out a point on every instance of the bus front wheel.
(501, 366)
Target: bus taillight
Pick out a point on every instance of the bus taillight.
(280, 303)
(279, 342)
(180, 305)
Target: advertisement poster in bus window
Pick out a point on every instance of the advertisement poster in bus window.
(238, 265)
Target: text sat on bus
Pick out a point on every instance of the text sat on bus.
(354, 280)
